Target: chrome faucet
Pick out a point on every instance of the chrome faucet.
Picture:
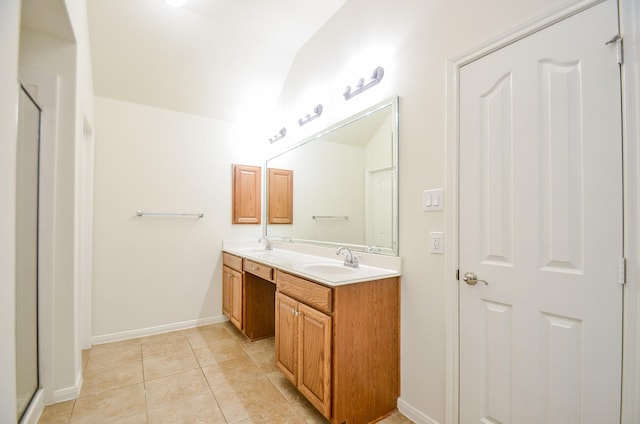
(267, 243)
(349, 260)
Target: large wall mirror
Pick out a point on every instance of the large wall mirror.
(345, 184)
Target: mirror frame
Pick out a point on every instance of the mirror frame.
(392, 102)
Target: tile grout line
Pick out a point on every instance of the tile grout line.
(207, 380)
(144, 383)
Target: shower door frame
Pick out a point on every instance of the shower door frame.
(23, 410)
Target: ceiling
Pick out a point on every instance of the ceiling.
(360, 131)
(223, 59)
(47, 16)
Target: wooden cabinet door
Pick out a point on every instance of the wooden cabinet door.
(286, 337)
(246, 194)
(236, 298)
(227, 291)
(280, 196)
(314, 357)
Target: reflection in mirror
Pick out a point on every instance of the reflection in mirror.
(345, 184)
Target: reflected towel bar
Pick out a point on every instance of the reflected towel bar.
(142, 213)
(344, 217)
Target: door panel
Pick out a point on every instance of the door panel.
(563, 381)
(562, 166)
(498, 321)
(497, 170)
(227, 291)
(541, 222)
(237, 309)
(286, 349)
(314, 357)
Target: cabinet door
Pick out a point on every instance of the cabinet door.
(280, 195)
(236, 298)
(314, 353)
(227, 291)
(246, 194)
(286, 336)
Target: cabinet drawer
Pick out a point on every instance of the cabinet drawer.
(313, 294)
(261, 270)
(232, 261)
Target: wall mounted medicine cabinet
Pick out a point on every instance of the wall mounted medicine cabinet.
(280, 189)
(246, 190)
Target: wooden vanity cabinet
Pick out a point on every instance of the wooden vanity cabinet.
(232, 289)
(248, 296)
(259, 300)
(341, 345)
(303, 350)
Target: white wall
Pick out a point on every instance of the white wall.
(377, 150)
(83, 121)
(412, 40)
(155, 274)
(9, 30)
(83, 168)
(45, 53)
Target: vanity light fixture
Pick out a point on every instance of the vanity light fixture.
(279, 136)
(317, 111)
(377, 75)
(176, 3)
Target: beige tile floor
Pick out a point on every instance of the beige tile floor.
(209, 374)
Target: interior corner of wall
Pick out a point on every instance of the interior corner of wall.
(68, 393)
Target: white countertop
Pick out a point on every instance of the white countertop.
(319, 266)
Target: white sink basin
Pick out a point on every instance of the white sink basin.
(329, 268)
(256, 250)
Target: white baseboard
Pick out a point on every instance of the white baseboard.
(412, 413)
(68, 393)
(150, 331)
(34, 411)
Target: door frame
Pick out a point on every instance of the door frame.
(84, 230)
(630, 408)
(48, 97)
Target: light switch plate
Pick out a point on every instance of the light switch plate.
(436, 242)
(433, 200)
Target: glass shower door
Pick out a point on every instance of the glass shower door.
(28, 148)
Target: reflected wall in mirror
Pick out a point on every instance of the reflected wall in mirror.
(345, 190)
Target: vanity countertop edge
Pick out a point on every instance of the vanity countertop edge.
(311, 262)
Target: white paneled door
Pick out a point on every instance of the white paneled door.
(380, 208)
(541, 223)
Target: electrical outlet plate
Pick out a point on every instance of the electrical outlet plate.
(436, 242)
